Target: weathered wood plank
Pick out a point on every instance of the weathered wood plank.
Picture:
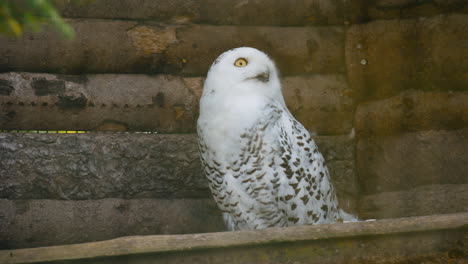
(410, 160)
(412, 111)
(113, 165)
(163, 103)
(260, 12)
(226, 12)
(386, 57)
(189, 243)
(116, 46)
(423, 200)
(39, 223)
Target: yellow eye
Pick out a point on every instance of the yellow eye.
(241, 62)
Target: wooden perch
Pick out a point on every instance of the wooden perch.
(162, 247)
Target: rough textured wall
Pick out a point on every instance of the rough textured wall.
(102, 165)
(85, 173)
(383, 83)
(161, 103)
(386, 57)
(94, 166)
(176, 49)
(411, 90)
(43, 222)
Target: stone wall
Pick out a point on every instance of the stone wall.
(384, 84)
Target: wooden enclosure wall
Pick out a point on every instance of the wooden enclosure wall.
(382, 83)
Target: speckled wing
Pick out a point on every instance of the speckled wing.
(306, 194)
(246, 188)
(278, 178)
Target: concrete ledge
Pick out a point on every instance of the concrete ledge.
(440, 237)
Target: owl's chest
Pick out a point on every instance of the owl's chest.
(223, 122)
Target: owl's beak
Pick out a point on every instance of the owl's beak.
(263, 76)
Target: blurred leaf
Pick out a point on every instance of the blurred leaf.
(17, 16)
(14, 26)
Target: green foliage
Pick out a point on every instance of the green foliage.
(16, 16)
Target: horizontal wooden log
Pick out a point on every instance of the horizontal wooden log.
(402, 9)
(401, 4)
(162, 103)
(107, 102)
(93, 166)
(110, 165)
(423, 200)
(412, 111)
(386, 57)
(217, 12)
(260, 12)
(406, 161)
(116, 46)
(408, 240)
(38, 223)
(324, 104)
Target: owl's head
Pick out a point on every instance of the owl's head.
(244, 71)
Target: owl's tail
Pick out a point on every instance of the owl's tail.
(346, 217)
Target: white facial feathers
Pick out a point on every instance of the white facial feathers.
(244, 71)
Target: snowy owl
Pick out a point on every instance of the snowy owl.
(263, 168)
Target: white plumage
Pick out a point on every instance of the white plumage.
(263, 167)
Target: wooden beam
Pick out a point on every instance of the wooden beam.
(187, 243)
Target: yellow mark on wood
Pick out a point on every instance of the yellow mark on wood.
(111, 126)
(348, 92)
(179, 111)
(150, 40)
(64, 131)
(45, 131)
